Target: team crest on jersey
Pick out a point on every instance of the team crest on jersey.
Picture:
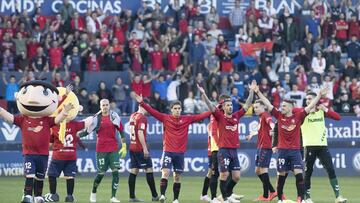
(288, 128)
(35, 129)
(292, 120)
(232, 128)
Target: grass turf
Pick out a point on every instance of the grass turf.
(11, 189)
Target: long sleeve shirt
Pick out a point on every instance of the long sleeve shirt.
(175, 128)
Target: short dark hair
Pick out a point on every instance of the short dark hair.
(223, 98)
(40, 83)
(310, 93)
(290, 101)
(175, 103)
(259, 102)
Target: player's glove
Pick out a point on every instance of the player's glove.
(123, 151)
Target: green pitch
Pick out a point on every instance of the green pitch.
(11, 189)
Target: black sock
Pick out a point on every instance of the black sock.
(97, 182)
(264, 179)
(70, 186)
(38, 187)
(280, 186)
(163, 185)
(29, 184)
(52, 184)
(230, 186)
(205, 186)
(223, 189)
(300, 186)
(151, 182)
(131, 182)
(213, 186)
(176, 190)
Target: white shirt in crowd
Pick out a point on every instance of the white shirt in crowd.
(318, 66)
(171, 90)
(330, 86)
(283, 63)
(297, 96)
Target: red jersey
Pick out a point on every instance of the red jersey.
(214, 129)
(31, 49)
(137, 122)
(119, 34)
(264, 137)
(146, 89)
(289, 128)
(106, 136)
(354, 29)
(183, 24)
(137, 87)
(156, 60)
(173, 60)
(35, 133)
(66, 151)
(55, 55)
(41, 20)
(228, 128)
(80, 24)
(175, 129)
(134, 43)
(341, 34)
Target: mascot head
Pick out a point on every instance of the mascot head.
(37, 98)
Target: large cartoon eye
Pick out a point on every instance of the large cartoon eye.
(24, 91)
(45, 92)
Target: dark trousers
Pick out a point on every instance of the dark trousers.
(323, 154)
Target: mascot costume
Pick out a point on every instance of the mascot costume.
(37, 101)
(64, 141)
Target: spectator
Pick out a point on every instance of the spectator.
(110, 62)
(318, 63)
(333, 53)
(282, 62)
(11, 88)
(240, 37)
(252, 10)
(237, 16)
(93, 64)
(172, 94)
(276, 95)
(77, 23)
(94, 103)
(314, 85)
(264, 87)
(84, 100)
(57, 79)
(94, 21)
(341, 30)
(136, 61)
(157, 103)
(353, 49)
(308, 44)
(296, 95)
(214, 31)
(313, 26)
(160, 86)
(67, 11)
(266, 24)
(328, 83)
(212, 63)
(197, 54)
(119, 94)
(213, 16)
(355, 90)
(8, 61)
(270, 10)
(302, 58)
(156, 56)
(354, 27)
(226, 61)
(343, 104)
(189, 104)
(103, 92)
(114, 108)
(327, 29)
(235, 99)
(290, 34)
(22, 62)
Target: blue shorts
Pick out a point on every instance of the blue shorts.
(263, 158)
(228, 160)
(35, 165)
(289, 159)
(67, 166)
(174, 160)
(137, 160)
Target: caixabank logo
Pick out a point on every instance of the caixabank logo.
(356, 161)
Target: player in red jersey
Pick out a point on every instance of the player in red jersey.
(106, 125)
(264, 150)
(64, 158)
(228, 123)
(289, 157)
(175, 139)
(139, 154)
(36, 101)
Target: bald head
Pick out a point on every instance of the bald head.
(105, 106)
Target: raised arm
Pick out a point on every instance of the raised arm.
(315, 100)
(329, 113)
(199, 117)
(210, 105)
(159, 116)
(264, 99)
(64, 113)
(5, 115)
(251, 96)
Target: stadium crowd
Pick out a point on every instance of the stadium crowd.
(167, 54)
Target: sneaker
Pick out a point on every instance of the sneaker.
(135, 200)
(114, 199)
(272, 195)
(220, 198)
(308, 200)
(51, 197)
(205, 198)
(92, 197)
(69, 198)
(215, 200)
(39, 199)
(155, 199)
(232, 199)
(237, 197)
(175, 201)
(261, 199)
(27, 199)
(340, 199)
(162, 198)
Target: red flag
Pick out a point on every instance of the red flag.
(249, 49)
